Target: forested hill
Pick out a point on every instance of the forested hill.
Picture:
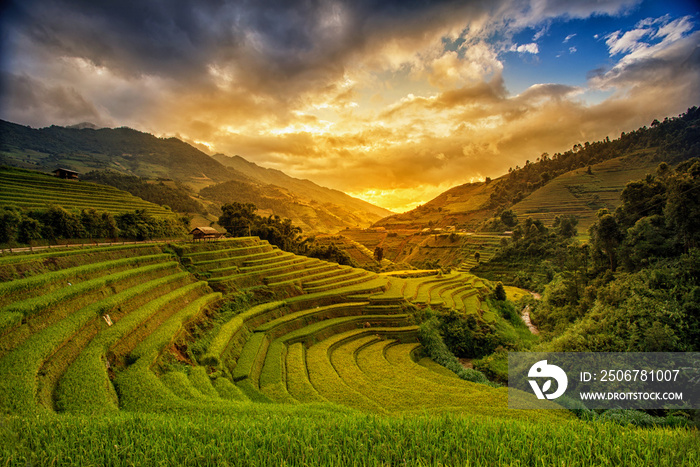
(120, 149)
(672, 140)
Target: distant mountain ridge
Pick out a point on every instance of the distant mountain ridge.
(579, 181)
(124, 150)
(298, 186)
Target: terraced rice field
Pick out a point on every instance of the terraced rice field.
(34, 190)
(359, 253)
(313, 375)
(581, 194)
(396, 244)
(82, 329)
(484, 244)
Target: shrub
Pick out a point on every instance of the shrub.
(436, 349)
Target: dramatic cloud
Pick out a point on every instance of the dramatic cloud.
(393, 101)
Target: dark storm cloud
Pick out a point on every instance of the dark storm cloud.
(266, 41)
(160, 37)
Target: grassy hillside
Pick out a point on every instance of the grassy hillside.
(83, 328)
(464, 206)
(420, 249)
(109, 354)
(312, 215)
(582, 193)
(577, 182)
(35, 190)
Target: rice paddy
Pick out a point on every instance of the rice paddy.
(325, 369)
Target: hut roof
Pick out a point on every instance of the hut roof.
(206, 230)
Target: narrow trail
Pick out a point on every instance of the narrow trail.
(525, 313)
(526, 317)
(81, 245)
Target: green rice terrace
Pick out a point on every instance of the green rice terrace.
(235, 352)
(34, 190)
(582, 193)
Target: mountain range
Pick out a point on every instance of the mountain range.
(213, 180)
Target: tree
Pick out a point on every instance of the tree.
(330, 253)
(682, 209)
(641, 198)
(29, 229)
(10, 219)
(499, 293)
(509, 218)
(238, 218)
(606, 235)
(60, 223)
(379, 254)
(565, 226)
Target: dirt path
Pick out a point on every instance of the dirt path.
(466, 363)
(526, 317)
(525, 314)
(79, 245)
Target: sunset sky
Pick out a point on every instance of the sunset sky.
(390, 101)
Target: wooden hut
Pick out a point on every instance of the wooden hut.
(205, 233)
(66, 174)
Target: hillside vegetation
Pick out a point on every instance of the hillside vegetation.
(34, 190)
(37, 208)
(633, 286)
(121, 149)
(582, 192)
(169, 193)
(574, 184)
(312, 215)
(302, 188)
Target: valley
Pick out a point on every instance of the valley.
(335, 319)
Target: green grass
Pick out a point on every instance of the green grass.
(19, 368)
(325, 379)
(227, 390)
(298, 384)
(364, 367)
(223, 338)
(9, 291)
(86, 387)
(273, 381)
(200, 380)
(293, 321)
(315, 437)
(181, 386)
(252, 357)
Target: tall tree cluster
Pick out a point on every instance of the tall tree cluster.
(19, 226)
(636, 285)
(240, 220)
